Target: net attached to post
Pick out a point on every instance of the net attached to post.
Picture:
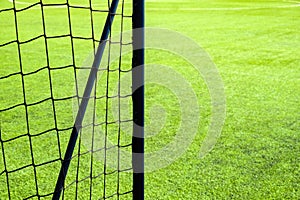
(47, 51)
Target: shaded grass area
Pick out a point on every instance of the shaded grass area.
(257, 54)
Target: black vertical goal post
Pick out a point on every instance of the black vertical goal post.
(138, 37)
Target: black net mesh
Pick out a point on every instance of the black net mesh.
(46, 51)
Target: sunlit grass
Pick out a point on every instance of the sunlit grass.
(257, 53)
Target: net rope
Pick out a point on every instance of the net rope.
(40, 80)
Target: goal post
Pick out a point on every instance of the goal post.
(62, 132)
(138, 99)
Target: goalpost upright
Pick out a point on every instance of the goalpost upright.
(138, 98)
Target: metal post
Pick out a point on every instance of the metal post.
(138, 37)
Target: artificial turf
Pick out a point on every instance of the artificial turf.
(255, 45)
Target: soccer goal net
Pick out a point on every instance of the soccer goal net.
(72, 104)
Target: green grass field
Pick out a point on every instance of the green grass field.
(254, 44)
